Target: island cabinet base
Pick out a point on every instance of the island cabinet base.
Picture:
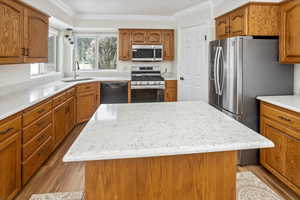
(209, 176)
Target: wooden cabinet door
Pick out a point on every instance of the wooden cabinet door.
(293, 161)
(70, 115)
(238, 22)
(274, 157)
(290, 32)
(11, 32)
(171, 95)
(168, 43)
(222, 27)
(125, 45)
(154, 37)
(86, 105)
(36, 27)
(10, 167)
(59, 121)
(139, 36)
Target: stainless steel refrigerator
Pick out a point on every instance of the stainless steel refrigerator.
(240, 69)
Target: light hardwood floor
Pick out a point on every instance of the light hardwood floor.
(56, 176)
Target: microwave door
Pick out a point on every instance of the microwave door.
(143, 54)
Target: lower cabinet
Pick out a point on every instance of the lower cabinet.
(59, 121)
(10, 166)
(171, 91)
(283, 160)
(70, 115)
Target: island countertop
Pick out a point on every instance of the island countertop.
(160, 129)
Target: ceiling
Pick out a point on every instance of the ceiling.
(130, 7)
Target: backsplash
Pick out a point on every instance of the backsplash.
(297, 79)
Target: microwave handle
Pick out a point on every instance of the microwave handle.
(154, 54)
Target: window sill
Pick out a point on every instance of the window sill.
(45, 75)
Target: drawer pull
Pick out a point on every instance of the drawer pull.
(41, 138)
(6, 131)
(41, 123)
(87, 87)
(41, 111)
(284, 118)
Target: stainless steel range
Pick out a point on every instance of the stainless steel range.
(147, 84)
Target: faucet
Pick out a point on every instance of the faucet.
(75, 69)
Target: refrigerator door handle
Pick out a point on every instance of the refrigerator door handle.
(215, 70)
(221, 84)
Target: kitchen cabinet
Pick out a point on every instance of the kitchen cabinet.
(124, 45)
(11, 39)
(129, 37)
(10, 157)
(36, 36)
(25, 39)
(70, 115)
(88, 99)
(171, 91)
(59, 116)
(168, 43)
(278, 125)
(251, 19)
(290, 31)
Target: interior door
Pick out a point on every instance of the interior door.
(193, 64)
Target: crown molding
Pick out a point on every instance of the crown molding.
(67, 9)
(125, 17)
(192, 9)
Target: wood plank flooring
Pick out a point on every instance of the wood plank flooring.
(56, 176)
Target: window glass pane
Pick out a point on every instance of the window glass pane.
(34, 69)
(86, 52)
(51, 65)
(107, 52)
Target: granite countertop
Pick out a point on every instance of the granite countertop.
(18, 101)
(290, 102)
(160, 129)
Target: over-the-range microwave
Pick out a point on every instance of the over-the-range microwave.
(147, 53)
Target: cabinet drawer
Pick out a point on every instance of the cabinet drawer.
(36, 112)
(86, 87)
(9, 127)
(39, 139)
(281, 115)
(171, 84)
(32, 130)
(36, 160)
(70, 93)
(59, 99)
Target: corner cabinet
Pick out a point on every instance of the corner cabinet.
(282, 127)
(35, 36)
(251, 19)
(290, 31)
(25, 39)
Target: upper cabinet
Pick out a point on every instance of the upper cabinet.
(252, 19)
(24, 35)
(36, 36)
(11, 36)
(129, 37)
(290, 31)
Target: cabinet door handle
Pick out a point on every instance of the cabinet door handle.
(285, 119)
(6, 131)
(40, 138)
(23, 52)
(41, 123)
(41, 111)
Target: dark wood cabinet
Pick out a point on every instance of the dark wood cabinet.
(25, 39)
(125, 45)
(290, 32)
(11, 40)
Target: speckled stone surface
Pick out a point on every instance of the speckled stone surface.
(291, 102)
(159, 129)
(18, 101)
(59, 196)
(249, 187)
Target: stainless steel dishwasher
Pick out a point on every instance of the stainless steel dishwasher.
(114, 92)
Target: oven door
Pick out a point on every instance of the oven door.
(147, 95)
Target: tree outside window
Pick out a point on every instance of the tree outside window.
(96, 52)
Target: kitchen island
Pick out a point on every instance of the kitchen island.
(162, 151)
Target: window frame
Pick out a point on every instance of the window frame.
(97, 36)
(42, 66)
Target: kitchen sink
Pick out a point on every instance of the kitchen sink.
(76, 80)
